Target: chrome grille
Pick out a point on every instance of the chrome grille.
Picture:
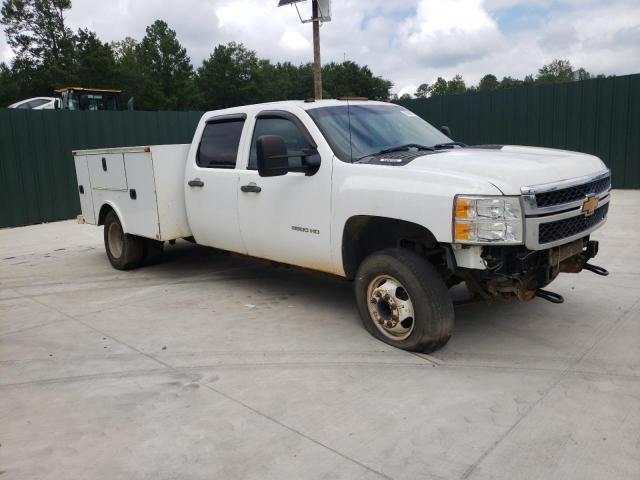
(554, 212)
(572, 194)
(560, 229)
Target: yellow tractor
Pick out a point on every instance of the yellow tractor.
(80, 98)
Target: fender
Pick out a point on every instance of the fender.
(419, 197)
(102, 213)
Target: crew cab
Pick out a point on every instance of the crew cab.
(363, 190)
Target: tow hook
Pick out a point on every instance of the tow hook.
(596, 269)
(550, 296)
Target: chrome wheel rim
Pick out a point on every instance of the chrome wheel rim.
(390, 307)
(116, 239)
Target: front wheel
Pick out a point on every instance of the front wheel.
(403, 301)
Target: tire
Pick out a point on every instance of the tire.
(403, 301)
(152, 251)
(125, 251)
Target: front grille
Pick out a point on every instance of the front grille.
(552, 231)
(572, 194)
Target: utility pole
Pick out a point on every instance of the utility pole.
(317, 66)
(320, 12)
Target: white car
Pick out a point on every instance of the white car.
(362, 190)
(37, 103)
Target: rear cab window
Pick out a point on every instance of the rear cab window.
(219, 143)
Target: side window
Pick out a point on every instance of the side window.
(39, 102)
(293, 137)
(219, 144)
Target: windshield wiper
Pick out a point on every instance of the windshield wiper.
(398, 148)
(406, 146)
(439, 146)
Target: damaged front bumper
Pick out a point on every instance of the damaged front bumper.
(515, 272)
(558, 219)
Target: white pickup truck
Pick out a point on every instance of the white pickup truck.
(363, 190)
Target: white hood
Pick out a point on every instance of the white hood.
(512, 167)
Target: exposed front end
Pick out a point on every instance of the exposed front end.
(515, 248)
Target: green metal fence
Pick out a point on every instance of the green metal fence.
(599, 116)
(37, 174)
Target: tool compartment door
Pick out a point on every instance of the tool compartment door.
(84, 189)
(107, 171)
(139, 206)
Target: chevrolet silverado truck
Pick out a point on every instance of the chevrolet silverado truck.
(364, 190)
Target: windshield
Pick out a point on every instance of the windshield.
(89, 101)
(357, 131)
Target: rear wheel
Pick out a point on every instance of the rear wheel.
(403, 301)
(125, 251)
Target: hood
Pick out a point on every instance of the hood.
(510, 168)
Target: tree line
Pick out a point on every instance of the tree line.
(558, 71)
(157, 71)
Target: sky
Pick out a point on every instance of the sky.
(409, 42)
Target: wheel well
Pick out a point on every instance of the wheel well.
(364, 235)
(106, 208)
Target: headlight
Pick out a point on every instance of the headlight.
(487, 220)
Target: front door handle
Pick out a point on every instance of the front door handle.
(251, 188)
(196, 182)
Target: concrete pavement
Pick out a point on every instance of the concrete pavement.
(212, 366)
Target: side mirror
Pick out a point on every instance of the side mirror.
(446, 130)
(311, 161)
(273, 160)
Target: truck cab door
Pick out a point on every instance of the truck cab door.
(287, 218)
(211, 183)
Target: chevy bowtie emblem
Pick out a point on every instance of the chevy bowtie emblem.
(590, 205)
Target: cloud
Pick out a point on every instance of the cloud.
(407, 41)
(449, 32)
(5, 51)
(599, 38)
(558, 37)
(292, 40)
(627, 36)
(410, 89)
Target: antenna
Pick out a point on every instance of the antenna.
(320, 12)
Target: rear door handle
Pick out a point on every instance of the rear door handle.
(196, 182)
(251, 188)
